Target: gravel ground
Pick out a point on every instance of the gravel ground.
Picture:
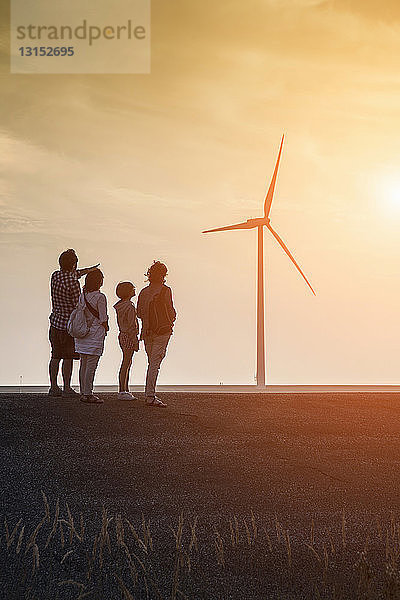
(288, 458)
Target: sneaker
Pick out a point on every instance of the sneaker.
(55, 392)
(155, 402)
(126, 396)
(70, 393)
(91, 399)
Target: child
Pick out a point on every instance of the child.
(128, 335)
(91, 346)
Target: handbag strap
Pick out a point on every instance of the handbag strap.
(90, 308)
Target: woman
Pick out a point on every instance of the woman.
(91, 347)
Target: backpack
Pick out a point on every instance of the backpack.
(77, 325)
(160, 321)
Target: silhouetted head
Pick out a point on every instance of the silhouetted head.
(94, 280)
(68, 260)
(157, 272)
(125, 290)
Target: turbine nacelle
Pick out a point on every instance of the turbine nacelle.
(258, 222)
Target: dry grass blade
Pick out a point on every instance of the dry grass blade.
(219, 547)
(71, 525)
(343, 530)
(247, 530)
(71, 582)
(55, 523)
(62, 539)
(253, 525)
(32, 539)
(268, 539)
(326, 558)
(278, 528)
(10, 537)
(288, 548)
(82, 527)
(132, 567)
(312, 533)
(46, 506)
(20, 539)
(236, 525)
(35, 558)
(119, 530)
(66, 555)
(148, 577)
(123, 588)
(136, 535)
(314, 552)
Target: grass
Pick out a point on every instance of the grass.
(61, 557)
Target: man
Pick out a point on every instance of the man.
(65, 292)
(156, 310)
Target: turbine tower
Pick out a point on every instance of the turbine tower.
(260, 223)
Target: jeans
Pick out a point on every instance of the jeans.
(156, 347)
(87, 371)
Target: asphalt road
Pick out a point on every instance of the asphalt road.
(321, 469)
(294, 455)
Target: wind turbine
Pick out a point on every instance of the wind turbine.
(260, 223)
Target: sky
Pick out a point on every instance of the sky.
(126, 169)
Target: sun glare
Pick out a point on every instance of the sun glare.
(390, 191)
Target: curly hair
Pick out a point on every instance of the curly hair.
(157, 272)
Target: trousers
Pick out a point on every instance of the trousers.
(87, 372)
(156, 348)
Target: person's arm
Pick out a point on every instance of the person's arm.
(170, 305)
(102, 308)
(139, 309)
(81, 272)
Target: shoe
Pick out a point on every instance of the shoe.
(70, 393)
(126, 396)
(91, 399)
(55, 392)
(155, 402)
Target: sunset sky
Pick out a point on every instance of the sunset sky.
(130, 168)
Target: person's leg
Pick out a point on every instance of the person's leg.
(91, 365)
(82, 373)
(124, 370)
(54, 365)
(148, 346)
(67, 373)
(155, 356)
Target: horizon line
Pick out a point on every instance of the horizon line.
(218, 388)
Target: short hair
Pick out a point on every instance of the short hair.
(125, 289)
(157, 272)
(94, 280)
(68, 260)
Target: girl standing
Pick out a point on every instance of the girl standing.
(91, 346)
(128, 335)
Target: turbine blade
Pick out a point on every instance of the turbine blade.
(282, 244)
(228, 227)
(270, 194)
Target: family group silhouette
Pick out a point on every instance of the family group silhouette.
(155, 309)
